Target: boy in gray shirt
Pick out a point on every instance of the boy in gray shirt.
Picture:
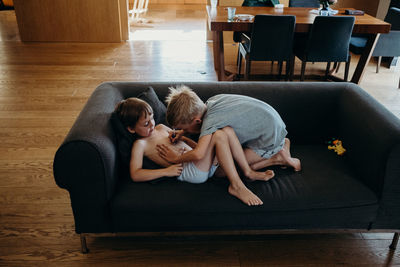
(258, 127)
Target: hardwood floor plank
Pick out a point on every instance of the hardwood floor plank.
(38, 233)
(28, 153)
(44, 122)
(34, 196)
(31, 137)
(35, 213)
(21, 179)
(37, 114)
(24, 166)
(318, 253)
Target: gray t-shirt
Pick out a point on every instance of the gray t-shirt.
(257, 125)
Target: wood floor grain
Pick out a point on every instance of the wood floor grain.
(43, 87)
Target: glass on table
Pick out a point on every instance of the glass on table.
(231, 13)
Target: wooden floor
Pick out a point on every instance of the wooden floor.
(43, 86)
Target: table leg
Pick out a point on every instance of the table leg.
(216, 48)
(364, 58)
(219, 61)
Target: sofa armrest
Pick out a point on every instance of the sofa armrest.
(371, 135)
(86, 162)
(389, 209)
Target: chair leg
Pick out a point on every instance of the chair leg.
(346, 71)
(335, 66)
(347, 68)
(328, 67)
(395, 240)
(238, 54)
(338, 67)
(378, 64)
(239, 63)
(84, 248)
(288, 64)
(303, 68)
(291, 70)
(280, 69)
(247, 69)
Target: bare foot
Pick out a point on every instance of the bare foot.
(286, 157)
(296, 164)
(260, 176)
(282, 158)
(245, 195)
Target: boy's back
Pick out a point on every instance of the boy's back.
(256, 124)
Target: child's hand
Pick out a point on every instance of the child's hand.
(174, 170)
(175, 135)
(168, 154)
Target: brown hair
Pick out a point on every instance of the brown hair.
(131, 109)
(183, 105)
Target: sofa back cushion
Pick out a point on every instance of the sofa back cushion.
(125, 139)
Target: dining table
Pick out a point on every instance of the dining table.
(217, 18)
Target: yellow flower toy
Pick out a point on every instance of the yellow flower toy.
(337, 147)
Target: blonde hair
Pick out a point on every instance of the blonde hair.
(131, 109)
(183, 105)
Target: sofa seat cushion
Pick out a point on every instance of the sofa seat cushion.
(326, 186)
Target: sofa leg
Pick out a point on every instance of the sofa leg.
(394, 241)
(84, 248)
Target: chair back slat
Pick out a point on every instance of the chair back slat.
(304, 3)
(329, 39)
(268, 3)
(272, 37)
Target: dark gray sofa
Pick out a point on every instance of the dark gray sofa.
(358, 191)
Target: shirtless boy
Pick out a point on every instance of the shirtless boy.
(154, 143)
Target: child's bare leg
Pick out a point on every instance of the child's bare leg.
(236, 187)
(239, 156)
(283, 157)
(205, 163)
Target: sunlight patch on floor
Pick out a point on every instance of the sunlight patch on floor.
(167, 35)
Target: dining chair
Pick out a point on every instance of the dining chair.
(328, 41)
(270, 3)
(388, 45)
(260, 3)
(304, 3)
(237, 36)
(271, 40)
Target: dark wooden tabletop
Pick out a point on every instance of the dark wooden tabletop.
(217, 19)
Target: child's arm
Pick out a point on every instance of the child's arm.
(177, 135)
(141, 175)
(196, 154)
(189, 141)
